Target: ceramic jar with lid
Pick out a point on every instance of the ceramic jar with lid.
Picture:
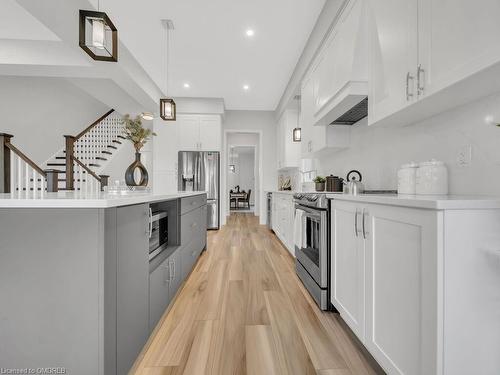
(432, 178)
(407, 178)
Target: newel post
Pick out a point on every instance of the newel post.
(104, 181)
(70, 149)
(5, 163)
(52, 180)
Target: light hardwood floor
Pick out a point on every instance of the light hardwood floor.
(244, 311)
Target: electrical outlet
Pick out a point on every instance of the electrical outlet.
(464, 157)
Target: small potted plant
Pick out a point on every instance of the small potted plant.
(138, 135)
(320, 183)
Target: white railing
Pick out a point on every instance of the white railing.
(91, 145)
(85, 181)
(24, 177)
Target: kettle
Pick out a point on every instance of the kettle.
(334, 183)
(354, 185)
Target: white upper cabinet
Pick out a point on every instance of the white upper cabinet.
(458, 38)
(199, 132)
(189, 132)
(288, 150)
(430, 56)
(393, 52)
(210, 133)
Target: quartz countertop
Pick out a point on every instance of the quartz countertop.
(289, 192)
(68, 199)
(436, 202)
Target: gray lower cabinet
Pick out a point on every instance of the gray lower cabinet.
(159, 293)
(132, 293)
(164, 281)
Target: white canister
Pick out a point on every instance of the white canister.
(432, 178)
(407, 178)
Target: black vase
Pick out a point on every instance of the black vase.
(130, 172)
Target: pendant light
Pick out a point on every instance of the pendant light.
(98, 37)
(297, 134)
(167, 105)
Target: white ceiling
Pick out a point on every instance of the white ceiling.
(17, 23)
(209, 48)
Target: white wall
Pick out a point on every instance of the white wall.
(257, 121)
(378, 152)
(39, 111)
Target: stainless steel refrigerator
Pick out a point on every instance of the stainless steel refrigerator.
(200, 171)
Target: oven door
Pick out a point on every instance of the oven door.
(312, 255)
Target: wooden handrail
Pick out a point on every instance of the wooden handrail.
(91, 126)
(27, 160)
(87, 169)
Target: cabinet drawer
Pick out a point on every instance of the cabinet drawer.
(192, 203)
(190, 254)
(193, 224)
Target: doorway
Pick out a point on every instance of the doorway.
(241, 178)
(242, 167)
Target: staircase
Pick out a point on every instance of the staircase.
(89, 153)
(83, 159)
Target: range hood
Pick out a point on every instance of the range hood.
(358, 112)
(342, 83)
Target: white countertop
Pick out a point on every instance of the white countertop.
(288, 192)
(436, 202)
(85, 200)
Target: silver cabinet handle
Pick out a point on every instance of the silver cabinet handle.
(171, 269)
(409, 94)
(150, 222)
(420, 81)
(169, 279)
(356, 223)
(363, 223)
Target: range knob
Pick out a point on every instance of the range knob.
(312, 198)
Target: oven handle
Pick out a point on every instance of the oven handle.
(309, 211)
(150, 222)
(356, 223)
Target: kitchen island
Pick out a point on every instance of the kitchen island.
(78, 288)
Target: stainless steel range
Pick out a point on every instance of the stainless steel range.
(311, 245)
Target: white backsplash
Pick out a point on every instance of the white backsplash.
(378, 152)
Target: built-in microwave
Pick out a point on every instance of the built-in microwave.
(158, 232)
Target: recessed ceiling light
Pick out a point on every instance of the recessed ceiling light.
(187, 85)
(246, 87)
(250, 32)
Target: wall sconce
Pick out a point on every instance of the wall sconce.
(147, 116)
(297, 134)
(98, 36)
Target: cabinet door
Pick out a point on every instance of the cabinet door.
(458, 38)
(393, 55)
(210, 133)
(347, 268)
(306, 115)
(159, 294)
(189, 133)
(402, 255)
(132, 293)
